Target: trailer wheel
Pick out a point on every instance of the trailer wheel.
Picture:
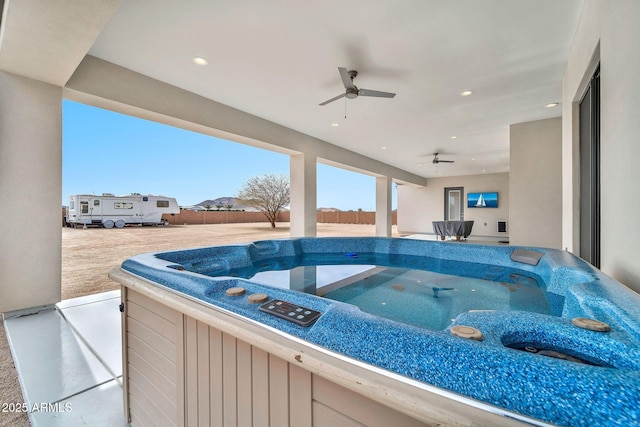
(108, 224)
(120, 223)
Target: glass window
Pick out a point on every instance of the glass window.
(84, 207)
(145, 199)
(162, 203)
(96, 202)
(72, 205)
(123, 205)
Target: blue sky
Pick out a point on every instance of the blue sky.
(107, 152)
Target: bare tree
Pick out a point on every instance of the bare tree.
(268, 193)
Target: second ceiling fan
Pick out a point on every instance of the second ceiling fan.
(436, 160)
(352, 91)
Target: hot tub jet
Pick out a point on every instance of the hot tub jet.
(436, 290)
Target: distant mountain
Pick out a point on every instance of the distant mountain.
(225, 203)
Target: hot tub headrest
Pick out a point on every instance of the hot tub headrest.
(526, 256)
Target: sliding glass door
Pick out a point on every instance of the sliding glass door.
(590, 172)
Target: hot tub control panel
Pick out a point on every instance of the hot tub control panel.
(297, 314)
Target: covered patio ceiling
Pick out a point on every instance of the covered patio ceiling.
(279, 60)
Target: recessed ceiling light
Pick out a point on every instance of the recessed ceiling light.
(383, 148)
(335, 125)
(484, 170)
(466, 93)
(419, 164)
(473, 158)
(199, 60)
(552, 104)
(453, 137)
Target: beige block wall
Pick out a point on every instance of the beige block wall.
(535, 182)
(231, 217)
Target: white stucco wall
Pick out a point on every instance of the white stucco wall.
(418, 207)
(608, 31)
(30, 188)
(535, 179)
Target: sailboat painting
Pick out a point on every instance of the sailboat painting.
(482, 200)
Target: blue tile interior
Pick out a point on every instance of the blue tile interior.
(495, 370)
(63, 366)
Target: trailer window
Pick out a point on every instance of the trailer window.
(145, 199)
(84, 207)
(72, 205)
(96, 202)
(162, 203)
(122, 205)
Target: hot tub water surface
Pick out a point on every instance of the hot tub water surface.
(431, 297)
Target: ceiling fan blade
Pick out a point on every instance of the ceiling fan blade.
(436, 160)
(346, 78)
(377, 93)
(335, 98)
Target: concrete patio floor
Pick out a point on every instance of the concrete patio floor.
(69, 362)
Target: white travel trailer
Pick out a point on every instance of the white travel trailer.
(109, 210)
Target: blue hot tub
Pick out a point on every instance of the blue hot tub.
(394, 303)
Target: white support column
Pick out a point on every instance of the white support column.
(383, 206)
(303, 195)
(31, 193)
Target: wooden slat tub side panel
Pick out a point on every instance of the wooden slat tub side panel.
(240, 384)
(155, 307)
(126, 404)
(354, 407)
(323, 416)
(244, 378)
(161, 363)
(180, 371)
(194, 374)
(148, 335)
(216, 387)
(140, 409)
(162, 326)
(278, 392)
(300, 397)
(260, 387)
(152, 371)
(229, 381)
(203, 374)
(191, 371)
(163, 384)
(164, 410)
